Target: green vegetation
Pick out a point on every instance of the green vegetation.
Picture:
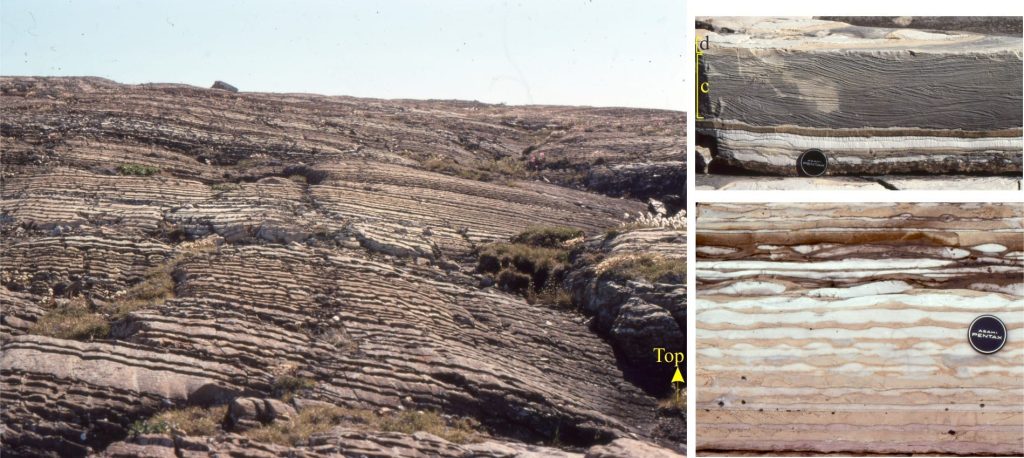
(553, 295)
(287, 385)
(520, 268)
(189, 421)
(310, 421)
(675, 401)
(492, 170)
(80, 321)
(198, 421)
(511, 280)
(225, 186)
(318, 419)
(137, 170)
(157, 285)
(459, 431)
(645, 266)
(73, 321)
(533, 263)
(507, 167)
(449, 167)
(547, 237)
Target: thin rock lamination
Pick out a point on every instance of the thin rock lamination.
(876, 100)
(839, 328)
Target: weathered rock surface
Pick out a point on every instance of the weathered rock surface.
(663, 180)
(637, 315)
(246, 413)
(223, 86)
(751, 183)
(347, 442)
(877, 183)
(843, 328)
(304, 235)
(875, 100)
(988, 25)
(628, 448)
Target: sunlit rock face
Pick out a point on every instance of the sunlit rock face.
(168, 247)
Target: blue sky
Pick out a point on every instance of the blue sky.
(573, 52)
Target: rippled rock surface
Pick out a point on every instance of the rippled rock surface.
(169, 251)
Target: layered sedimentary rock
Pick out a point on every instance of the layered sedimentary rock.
(344, 442)
(844, 328)
(875, 100)
(45, 119)
(636, 315)
(990, 25)
(233, 241)
(876, 183)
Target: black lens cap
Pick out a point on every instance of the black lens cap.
(987, 334)
(812, 163)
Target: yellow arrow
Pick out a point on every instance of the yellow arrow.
(678, 377)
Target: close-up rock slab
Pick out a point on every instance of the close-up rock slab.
(877, 99)
(843, 328)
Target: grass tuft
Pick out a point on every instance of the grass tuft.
(459, 431)
(225, 186)
(552, 295)
(197, 421)
(523, 268)
(488, 170)
(189, 421)
(137, 170)
(319, 419)
(649, 267)
(534, 263)
(157, 285)
(547, 236)
(73, 321)
(310, 421)
(674, 401)
(286, 385)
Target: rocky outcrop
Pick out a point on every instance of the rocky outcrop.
(268, 134)
(665, 181)
(629, 448)
(238, 244)
(66, 397)
(843, 328)
(244, 413)
(223, 86)
(636, 312)
(347, 442)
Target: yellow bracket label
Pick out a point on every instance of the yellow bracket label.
(699, 45)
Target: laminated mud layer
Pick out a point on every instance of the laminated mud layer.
(876, 100)
(843, 328)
